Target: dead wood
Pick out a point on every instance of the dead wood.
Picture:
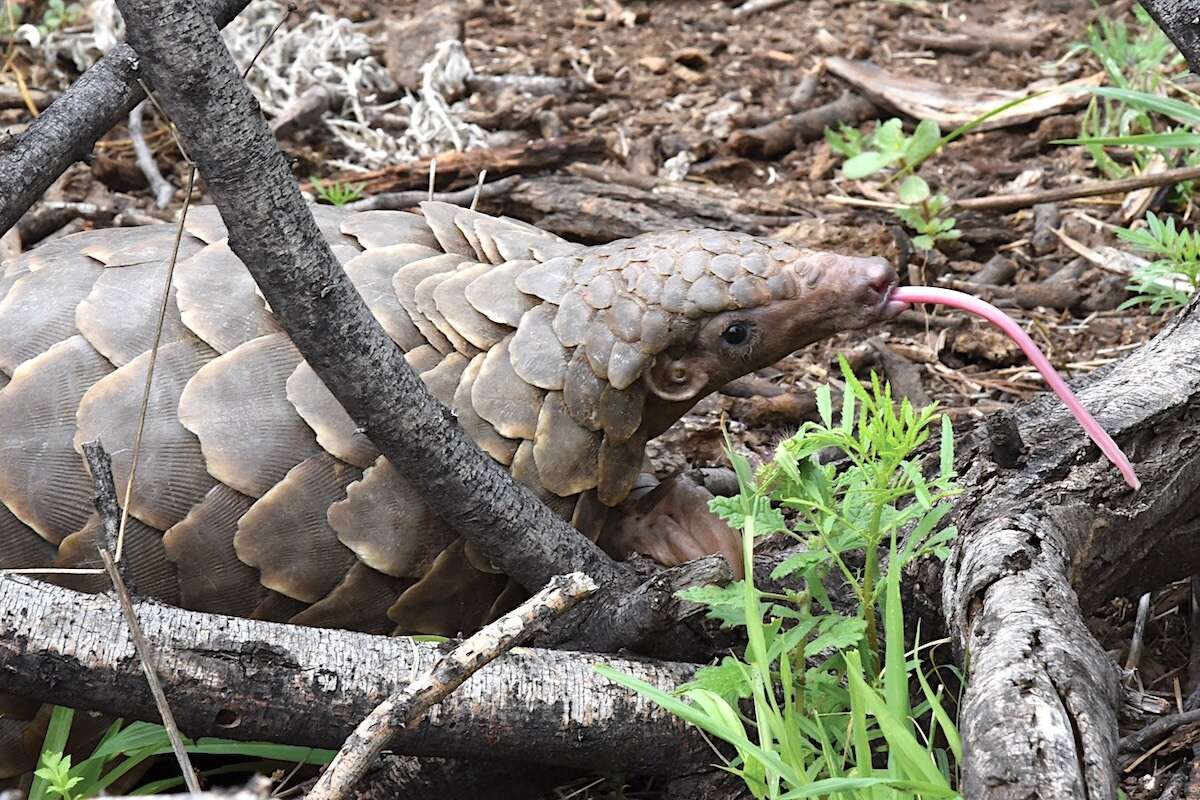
(403, 707)
(593, 211)
(100, 466)
(457, 167)
(1057, 533)
(1017, 200)
(411, 199)
(70, 127)
(252, 680)
(968, 38)
(952, 106)
(780, 136)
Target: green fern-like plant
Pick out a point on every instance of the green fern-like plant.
(1173, 277)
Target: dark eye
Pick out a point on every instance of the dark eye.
(736, 334)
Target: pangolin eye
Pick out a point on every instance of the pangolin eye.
(736, 334)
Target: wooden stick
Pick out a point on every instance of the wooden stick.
(459, 166)
(363, 747)
(1012, 202)
(106, 505)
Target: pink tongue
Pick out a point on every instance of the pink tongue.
(946, 297)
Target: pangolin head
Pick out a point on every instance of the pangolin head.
(686, 312)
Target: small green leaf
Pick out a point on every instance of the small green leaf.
(925, 141)
(825, 405)
(865, 164)
(913, 190)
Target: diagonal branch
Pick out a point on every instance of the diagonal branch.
(273, 233)
(402, 708)
(69, 128)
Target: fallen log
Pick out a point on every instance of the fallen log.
(463, 166)
(593, 211)
(250, 680)
(1059, 534)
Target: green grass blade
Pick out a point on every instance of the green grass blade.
(949, 729)
(55, 742)
(1163, 141)
(1175, 109)
(895, 675)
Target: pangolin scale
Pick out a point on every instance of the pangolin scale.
(257, 495)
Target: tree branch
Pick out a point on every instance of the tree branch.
(252, 680)
(70, 127)
(1178, 18)
(273, 233)
(402, 708)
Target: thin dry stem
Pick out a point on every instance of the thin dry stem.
(363, 746)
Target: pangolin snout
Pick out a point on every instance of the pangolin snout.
(873, 280)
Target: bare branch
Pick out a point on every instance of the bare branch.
(273, 232)
(70, 127)
(363, 746)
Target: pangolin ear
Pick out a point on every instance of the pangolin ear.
(675, 380)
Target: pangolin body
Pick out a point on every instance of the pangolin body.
(256, 495)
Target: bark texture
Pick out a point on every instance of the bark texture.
(311, 686)
(1058, 531)
(1178, 19)
(70, 127)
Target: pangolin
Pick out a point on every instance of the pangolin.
(257, 496)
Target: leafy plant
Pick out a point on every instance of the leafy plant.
(58, 15)
(1170, 280)
(846, 141)
(886, 146)
(338, 193)
(828, 702)
(125, 747)
(922, 212)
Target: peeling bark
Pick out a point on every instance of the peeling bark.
(251, 680)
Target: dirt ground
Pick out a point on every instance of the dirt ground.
(661, 79)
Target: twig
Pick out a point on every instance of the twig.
(1012, 202)
(163, 191)
(754, 6)
(69, 128)
(100, 468)
(106, 506)
(410, 199)
(363, 746)
(1139, 740)
(1139, 633)
(164, 301)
